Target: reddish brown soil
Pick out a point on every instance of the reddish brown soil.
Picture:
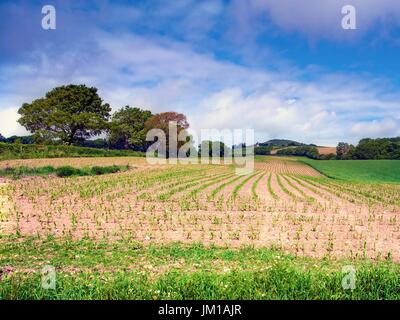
(309, 217)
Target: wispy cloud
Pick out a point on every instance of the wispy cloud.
(317, 19)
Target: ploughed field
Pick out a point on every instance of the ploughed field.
(284, 204)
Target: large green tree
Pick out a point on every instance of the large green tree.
(127, 129)
(69, 113)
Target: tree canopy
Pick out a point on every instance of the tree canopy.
(370, 149)
(68, 113)
(127, 129)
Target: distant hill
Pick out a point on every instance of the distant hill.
(281, 143)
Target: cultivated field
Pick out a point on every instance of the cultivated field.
(179, 231)
(283, 204)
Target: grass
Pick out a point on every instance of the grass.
(128, 270)
(64, 171)
(375, 171)
(270, 189)
(32, 151)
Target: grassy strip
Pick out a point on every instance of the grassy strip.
(307, 185)
(342, 191)
(371, 199)
(147, 180)
(194, 182)
(323, 184)
(241, 185)
(33, 151)
(65, 171)
(222, 186)
(286, 190)
(172, 182)
(255, 184)
(126, 270)
(304, 195)
(270, 189)
(214, 181)
(304, 185)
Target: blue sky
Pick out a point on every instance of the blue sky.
(284, 68)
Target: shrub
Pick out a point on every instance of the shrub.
(67, 171)
(330, 156)
(262, 150)
(105, 170)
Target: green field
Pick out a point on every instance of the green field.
(380, 171)
(32, 151)
(129, 270)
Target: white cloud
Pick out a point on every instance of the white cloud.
(167, 75)
(315, 17)
(8, 123)
(377, 128)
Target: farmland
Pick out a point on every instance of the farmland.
(169, 228)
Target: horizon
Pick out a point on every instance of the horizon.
(225, 64)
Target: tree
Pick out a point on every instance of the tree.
(344, 150)
(2, 139)
(262, 150)
(68, 113)
(127, 129)
(215, 148)
(368, 149)
(381, 148)
(162, 121)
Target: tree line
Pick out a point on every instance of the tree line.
(73, 114)
(366, 149)
(373, 149)
(302, 151)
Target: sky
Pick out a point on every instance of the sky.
(286, 69)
